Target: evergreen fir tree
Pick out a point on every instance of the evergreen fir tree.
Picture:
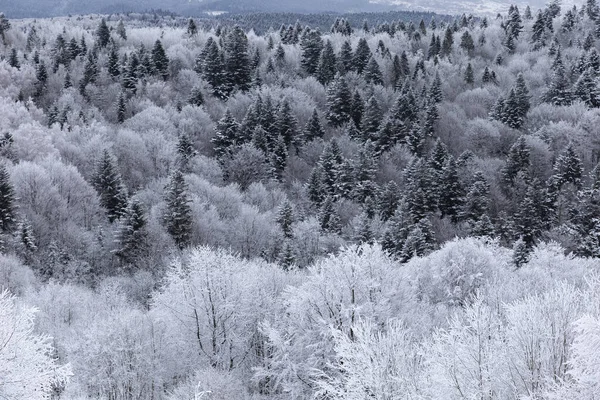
(568, 168)
(160, 62)
(26, 237)
(121, 30)
(314, 129)
(287, 124)
(477, 200)
(285, 219)
(388, 200)
(559, 91)
(131, 234)
(177, 217)
(451, 193)
(363, 231)
(419, 241)
(521, 253)
(396, 232)
(361, 56)
(279, 157)
(527, 223)
(113, 67)
(587, 89)
(213, 70)
(435, 92)
(327, 64)
(316, 190)
(287, 258)
(373, 73)
(345, 59)
(13, 59)
(371, 119)
(237, 59)
(469, 75)
(185, 152)
(328, 217)
(226, 135)
(7, 201)
(311, 45)
(121, 108)
(103, 34)
(357, 110)
(467, 43)
(539, 29)
(448, 42)
(130, 77)
(517, 161)
(196, 97)
(331, 161)
(109, 185)
(339, 102)
(192, 29)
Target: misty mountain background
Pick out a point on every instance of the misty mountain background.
(45, 8)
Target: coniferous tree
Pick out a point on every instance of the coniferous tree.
(192, 29)
(177, 216)
(331, 162)
(328, 217)
(435, 92)
(419, 241)
(13, 59)
(121, 108)
(587, 89)
(285, 219)
(469, 75)
(102, 34)
(517, 161)
(287, 124)
(315, 188)
(160, 62)
(521, 253)
(527, 223)
(371, 119)
(451, 192)
(130, 77)
(109, 185)
(237, 60)
(361, 56)
(539, 29)
(568, 168)
(196, 97)
(559, 90)
(339, 102)
(121, 30)
(213, 70)
(448, 42)
(226, 135)
(131, 235)
(41, 75)
(185, 152)
(27, 238)
(388, 200)
(311, 45)
(279, 157)
(477, 199)
(373, 73)
(7, 201)
(357, 109)
(313, 129)
(345, 59)
(113, 67)
(467, 43)
(327, 64)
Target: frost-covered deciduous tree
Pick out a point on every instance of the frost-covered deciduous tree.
(28, 369)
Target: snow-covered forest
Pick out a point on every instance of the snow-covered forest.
(401, 209)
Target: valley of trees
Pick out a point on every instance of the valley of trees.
(406, 209)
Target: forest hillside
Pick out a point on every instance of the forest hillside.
(400, 209)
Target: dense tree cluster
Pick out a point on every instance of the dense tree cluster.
(124, 147)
